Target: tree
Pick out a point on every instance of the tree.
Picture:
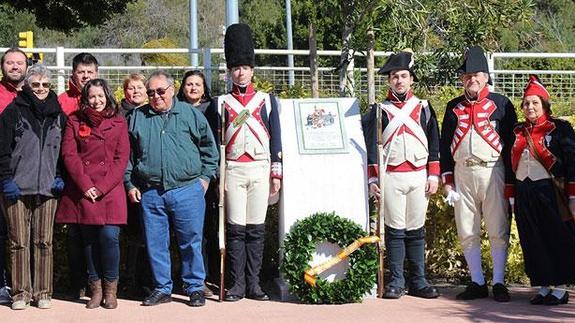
(66, 15)
(459, 25)
(268, 26)
(441, 27)
(12, 22)
(555, 25)
(355, 14)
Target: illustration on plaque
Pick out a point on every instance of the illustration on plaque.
(320, 127)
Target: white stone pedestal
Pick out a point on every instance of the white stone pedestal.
(322, 178)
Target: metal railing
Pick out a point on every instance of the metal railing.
(116, 63)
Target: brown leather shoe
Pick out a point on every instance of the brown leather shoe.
(110, 290)
(207, 291)
(96, 289)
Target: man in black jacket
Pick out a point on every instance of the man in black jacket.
(475, 136)
(410, 173)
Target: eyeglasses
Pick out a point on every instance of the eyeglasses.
(159, 91)
(36, 85)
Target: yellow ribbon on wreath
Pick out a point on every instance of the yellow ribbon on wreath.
(310, 274)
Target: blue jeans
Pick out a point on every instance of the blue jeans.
(102, 251)
(185, 207)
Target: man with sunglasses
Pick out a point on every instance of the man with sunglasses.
(14, 64)
(174, 157)
(253, 164)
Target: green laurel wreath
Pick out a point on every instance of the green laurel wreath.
(299, 246)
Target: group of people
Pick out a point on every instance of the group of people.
(84, 160)
(151, 161)
(489, 165)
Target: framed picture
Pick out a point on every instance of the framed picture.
(320, 127)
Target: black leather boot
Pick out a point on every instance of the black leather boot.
(415, 252)
(255, 235)
(395, 246)
(236, 254)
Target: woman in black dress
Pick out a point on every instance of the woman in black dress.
(544, 149)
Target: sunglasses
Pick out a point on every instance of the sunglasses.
(36, 85)
(159, 91)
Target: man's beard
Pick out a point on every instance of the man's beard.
(11, 79)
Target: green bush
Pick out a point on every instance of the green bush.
(445, 258)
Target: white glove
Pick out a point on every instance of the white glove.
(452, 197)
(512, 201)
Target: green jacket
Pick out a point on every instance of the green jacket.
(172, 149)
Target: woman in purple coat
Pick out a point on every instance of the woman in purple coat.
(95, 150)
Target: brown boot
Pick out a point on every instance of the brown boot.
(96, 289)
(110, 290)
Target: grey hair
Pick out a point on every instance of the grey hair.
(161, 73)
(37, 70)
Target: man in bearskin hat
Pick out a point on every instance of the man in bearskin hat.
(475, 135)
(410, 163)
(253, 164)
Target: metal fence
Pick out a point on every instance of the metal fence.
(119, 62)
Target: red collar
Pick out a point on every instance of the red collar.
(392, 97)
(538, 122)
(245, 97)
(482, 95)
(249, 90)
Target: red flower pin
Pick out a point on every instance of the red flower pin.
(84, 130)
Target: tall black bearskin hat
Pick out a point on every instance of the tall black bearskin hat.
(239, 46)
(474, 61)
(403, 60)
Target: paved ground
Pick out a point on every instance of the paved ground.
(407, 309)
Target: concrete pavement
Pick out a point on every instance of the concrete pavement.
(407, 309)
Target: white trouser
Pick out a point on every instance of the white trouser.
(248, 189)
(405, 202)
(481, 190)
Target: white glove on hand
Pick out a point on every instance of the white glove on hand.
(452, 197)
(512, 202)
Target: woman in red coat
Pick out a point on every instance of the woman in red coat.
(95, 150)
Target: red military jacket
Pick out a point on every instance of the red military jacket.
(424, 116)
(554, 140)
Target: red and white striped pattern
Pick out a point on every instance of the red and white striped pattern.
(478, 115)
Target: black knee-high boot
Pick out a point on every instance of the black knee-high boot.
(415, 248)
(236, 253)
(255, 235)
(415, 252)
(395, 247)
